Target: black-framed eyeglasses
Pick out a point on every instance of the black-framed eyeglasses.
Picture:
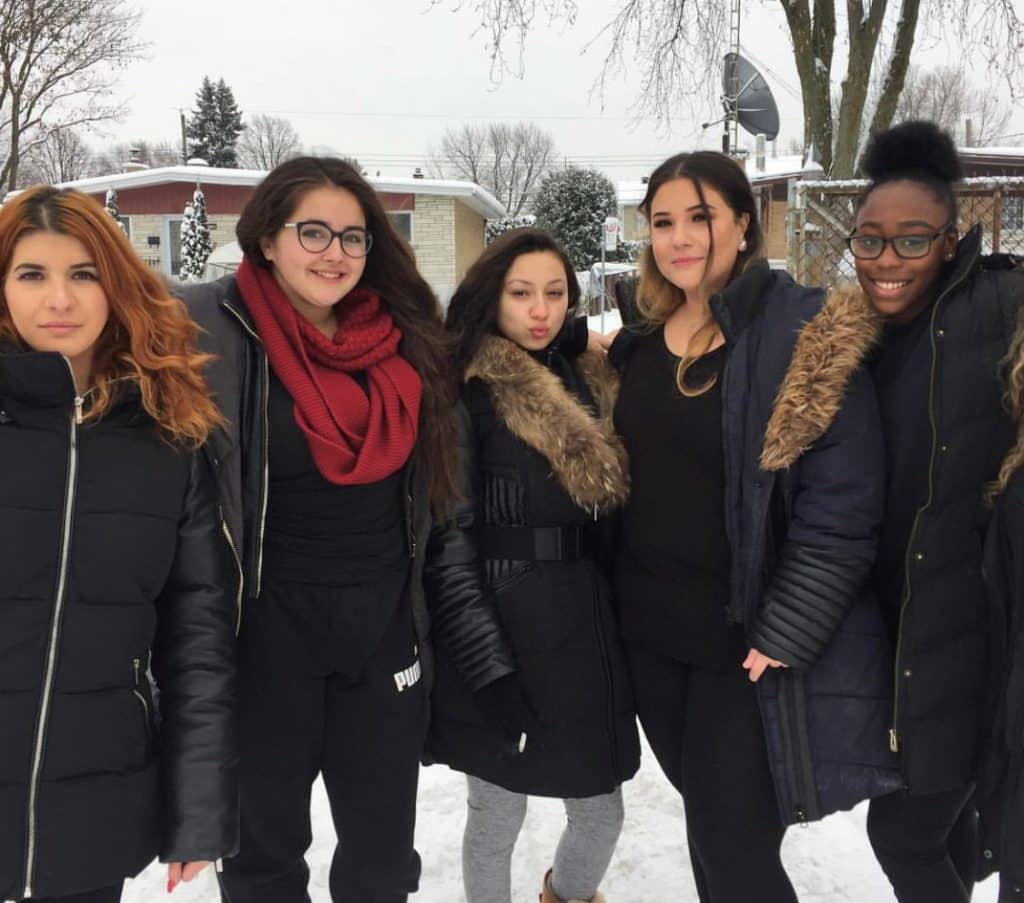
(316, 237)
(909, 247)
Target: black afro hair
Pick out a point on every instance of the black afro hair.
(912, 148)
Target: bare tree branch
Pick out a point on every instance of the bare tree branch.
(267, 141)
(58, 64)
(675, 44)
(506, 159)
(61, 157)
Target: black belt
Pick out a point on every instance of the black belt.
(538, 543)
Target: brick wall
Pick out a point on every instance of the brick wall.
(433, 233)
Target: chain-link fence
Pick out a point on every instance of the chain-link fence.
(821, 216)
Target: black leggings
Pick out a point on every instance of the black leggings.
(926, 844)
(302, 714)
(705, 729)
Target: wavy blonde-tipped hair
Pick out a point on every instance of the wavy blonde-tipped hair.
(148, 337)
(657, 298)
(1013, 368)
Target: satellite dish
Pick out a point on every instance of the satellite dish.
(748, 98)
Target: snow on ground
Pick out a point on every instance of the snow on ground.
(829, 862)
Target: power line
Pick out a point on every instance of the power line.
(417, 115)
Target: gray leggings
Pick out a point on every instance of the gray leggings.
(494, 819)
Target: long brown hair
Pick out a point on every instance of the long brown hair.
(391, 272)
(149, 336)
(1014, 399)
(657, 298)
(473, 310)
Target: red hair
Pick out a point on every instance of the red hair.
(149, 336)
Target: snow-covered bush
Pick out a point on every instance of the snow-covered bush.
(572, 204)
(196, 244)
(496, 227)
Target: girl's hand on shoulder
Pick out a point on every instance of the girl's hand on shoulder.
(182, 871)
(600, 341)
(756, 664)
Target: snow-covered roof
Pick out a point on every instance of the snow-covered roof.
(789, 166)
(471, 194)
(1017, 152)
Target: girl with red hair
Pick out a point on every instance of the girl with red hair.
(118, 602)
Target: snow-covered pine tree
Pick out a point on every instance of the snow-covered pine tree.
(229, 127)
(201, 129)
(196, 244)
(215, 124)
(111, 207)
(572, 204)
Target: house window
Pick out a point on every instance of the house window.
(126, 225)
(170, 245)
(402, 221)
(1012, 218)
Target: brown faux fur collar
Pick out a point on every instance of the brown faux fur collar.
(586, 456)
(828, 351)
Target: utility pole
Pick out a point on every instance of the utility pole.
(184, 142)
(731, 137)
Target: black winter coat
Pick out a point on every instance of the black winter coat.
(240, 382)
(114, 562)
(1001, 787)
(942, 672)
(804, 486)
(535, 464)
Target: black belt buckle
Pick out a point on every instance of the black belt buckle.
(572, 544)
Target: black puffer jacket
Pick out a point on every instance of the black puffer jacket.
(804, 485)
(537, 469)
(239, 380)
(114, 563)
(1001, 786)
(942, 672)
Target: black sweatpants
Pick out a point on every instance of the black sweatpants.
(705, 729)
(303, 712)
(926, 844)
(110, 894)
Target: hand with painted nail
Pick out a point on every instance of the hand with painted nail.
(757, 663)
(182, 871)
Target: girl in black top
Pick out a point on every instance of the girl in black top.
(949, 313)
(532, 693)
(758, 662)
(331, 372)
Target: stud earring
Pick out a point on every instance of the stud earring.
(743, 245)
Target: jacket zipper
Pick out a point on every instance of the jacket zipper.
(137, 690)
(410, 527)
(894, 738)
(602, 651)
(238, 564)
(51, 653)
(265, 372)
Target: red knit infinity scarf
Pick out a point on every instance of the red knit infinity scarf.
(354, 436)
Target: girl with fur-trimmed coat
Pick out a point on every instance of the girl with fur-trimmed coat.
(532, 694)
(760, 666)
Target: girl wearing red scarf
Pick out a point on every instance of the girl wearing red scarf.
(330, 372)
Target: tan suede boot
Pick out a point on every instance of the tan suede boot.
(547, 895)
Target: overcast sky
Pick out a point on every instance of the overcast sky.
(382, 79)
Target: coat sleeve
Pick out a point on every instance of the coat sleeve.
(464, 621)
(194, 667)
(829, 547)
